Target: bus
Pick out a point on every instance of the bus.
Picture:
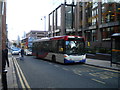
(115, 41)
(62, 49)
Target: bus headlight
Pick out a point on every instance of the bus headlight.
(66, 57)
(84, 56)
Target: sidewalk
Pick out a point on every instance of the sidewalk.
(11, 76)
(12, 81)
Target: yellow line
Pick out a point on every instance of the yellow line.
(22, 84)
(103, 68)
(98, 81)
(26, 83)
(111, 70)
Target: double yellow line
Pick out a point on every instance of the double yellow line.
(21, 76)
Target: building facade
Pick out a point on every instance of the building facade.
(31, 36)
(96, 21)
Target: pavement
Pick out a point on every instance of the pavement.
(12, 81)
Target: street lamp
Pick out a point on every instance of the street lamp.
(44, 20)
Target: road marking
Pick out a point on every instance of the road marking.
(19, 71)
(76, 72)
(65, 69)
(25, 81)
(50, 63)
(103, 68)
(22, 84)
(112, 70)
(56, 65)
(98, 81)
(92, 74)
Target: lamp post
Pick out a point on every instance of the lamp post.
(44, 21)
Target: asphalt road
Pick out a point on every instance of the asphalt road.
(37, 73)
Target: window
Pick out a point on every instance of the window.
(60, 46)
(106, 34)
(58, 18)
(51, 22)
(88, 35)
(94, 35)
(69, 10)
(54, 46)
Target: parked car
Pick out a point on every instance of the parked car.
(28, 52)
(15, 51)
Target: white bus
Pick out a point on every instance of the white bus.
(62, 49)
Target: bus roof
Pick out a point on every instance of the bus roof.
(116, 35)
(64, 37)
(57, 38)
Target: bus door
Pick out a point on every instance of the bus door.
(115, 48)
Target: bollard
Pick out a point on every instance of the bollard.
(4, 80)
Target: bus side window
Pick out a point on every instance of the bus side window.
(50, 46)
(54, 46)
(60, 46)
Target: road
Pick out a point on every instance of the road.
(37, 73)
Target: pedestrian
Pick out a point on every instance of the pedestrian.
(22, 53)
(4, 71)
(5, 58)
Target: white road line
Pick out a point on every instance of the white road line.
(25, 81)
(65, 69)
(50, 63)
(56, 65)
(98, 81)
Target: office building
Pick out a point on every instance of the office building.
(96, 21)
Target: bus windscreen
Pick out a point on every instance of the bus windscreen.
(75, 47)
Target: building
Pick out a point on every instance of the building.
(31, 36)
(96, 21)
(36, 34)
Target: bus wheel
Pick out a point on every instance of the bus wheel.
(53, 58)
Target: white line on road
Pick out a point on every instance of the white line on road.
(65, 69)
(56, 65)
(98, 81)
(50, 63)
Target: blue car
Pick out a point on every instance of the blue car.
(15, 51)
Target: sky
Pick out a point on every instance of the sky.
(25, 15)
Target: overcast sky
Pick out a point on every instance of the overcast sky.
(25, 15)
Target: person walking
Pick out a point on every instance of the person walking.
(22, 53)
(4, 71)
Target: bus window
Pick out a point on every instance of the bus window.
(61, 46)
(54, 46)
